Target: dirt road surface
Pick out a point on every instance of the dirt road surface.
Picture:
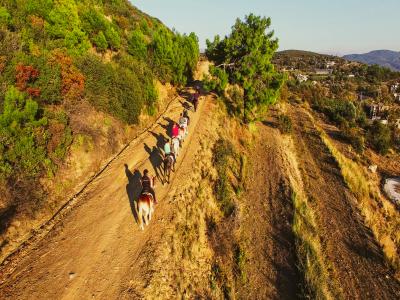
(96, 249)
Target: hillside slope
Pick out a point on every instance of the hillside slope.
(80, 79)
(384, 58)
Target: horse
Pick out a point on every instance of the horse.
(182, 135)
(145, 207)
(175, 146)
(195, 103)
(169, 165)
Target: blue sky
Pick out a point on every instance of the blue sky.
(336, 26)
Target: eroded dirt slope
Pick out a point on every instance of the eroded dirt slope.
(266, 223)
(358, 263)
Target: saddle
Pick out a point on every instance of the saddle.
(147, 194)
(170, 158)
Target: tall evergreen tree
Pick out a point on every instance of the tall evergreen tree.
(245, 55)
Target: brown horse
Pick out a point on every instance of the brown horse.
(145, 207)
(169, 165)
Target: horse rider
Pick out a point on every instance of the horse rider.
(183, 123)
(196, 100)
(175, 146)
(148, 185)
(175, 130)
(167, 150)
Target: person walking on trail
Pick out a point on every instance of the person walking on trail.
(148, 185)
(175, 146)
(175, 131)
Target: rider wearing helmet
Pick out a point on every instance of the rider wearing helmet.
(148, 185)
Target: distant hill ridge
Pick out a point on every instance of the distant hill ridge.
(385, 58)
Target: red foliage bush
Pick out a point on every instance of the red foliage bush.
(24, 76)
(73, 81)
(33, 92)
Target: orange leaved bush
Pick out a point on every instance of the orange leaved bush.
(73, 81)
(24, 76)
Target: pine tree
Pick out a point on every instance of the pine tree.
(245, 55)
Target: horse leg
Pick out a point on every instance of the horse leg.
(140, 217)
(146, 217)
(150, 212)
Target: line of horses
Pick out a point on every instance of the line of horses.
(145, 203)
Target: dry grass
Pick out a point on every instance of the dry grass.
(312, 263)
(379, 213)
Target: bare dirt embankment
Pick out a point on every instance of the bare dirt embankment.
(266, 222)
(357, 261)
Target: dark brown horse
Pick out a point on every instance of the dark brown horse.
(169, 165)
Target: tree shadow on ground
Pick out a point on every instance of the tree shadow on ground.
(133, 189)
(156, 160)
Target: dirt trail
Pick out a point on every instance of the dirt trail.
(271, 267)
(96, 249)
(358, 262)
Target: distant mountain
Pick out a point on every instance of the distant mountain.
(385, 58)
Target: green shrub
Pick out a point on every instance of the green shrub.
(284, 123)
(338, 111)
(379, 136)
(137, 45)
(354, 136)
(92, 21)
(122, 89)
(100, 41)
(223, 154)
(174, 56)
(22, 150)
(113, 38)
(5, 17)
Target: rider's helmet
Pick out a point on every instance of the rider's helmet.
(145, 172)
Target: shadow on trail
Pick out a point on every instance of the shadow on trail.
(161, 140)
(133, 189)
(186, 105)
(168, 126)
(156, 160)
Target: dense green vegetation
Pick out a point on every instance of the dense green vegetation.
(244, 58)
(55, 54)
